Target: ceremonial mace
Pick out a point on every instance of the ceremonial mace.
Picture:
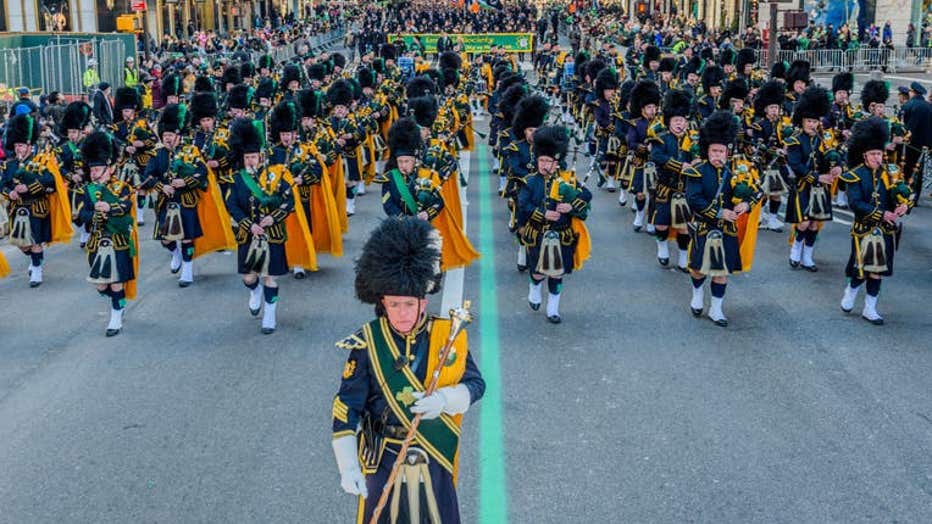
(459, 318)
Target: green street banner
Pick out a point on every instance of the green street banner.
(481, 43)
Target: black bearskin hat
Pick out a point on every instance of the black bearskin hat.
(594, 67)
(378, 65)
(813, 103)
(340, 93)
(366, 77)
(607, 79)
(203, 84)
(735, 89)
(451, 77)
(645, 92)
(508, 103)
(388, 52)
(727, 57)
(874, 92)
(127, 98)
(338, 60)
(171, 85)
(316, 72)
(203, 105)
(694, 66)
(531, 111)
(624, 93)
(799, 70)
(99, 149)
(401, 258)
(552, 141)
(266, 88)
(292, 73)
(247, 70)
(712, 76)
(404, 138)
(868, 134)
(676, 102)
(510, 81)
(232, 75)
(435, 76)
(246, 136)
(778, 70)
(450, 60)
(423, 109)
(240, 96)
(77, 116)
(842, 82)
(174, 118)
(745, 56)
(420, 86)
(667, 63)
(769, 94)
(21, 129)
(651, 54)
(720, 128)
(266, 61)
(310, 102)
(284, 118)
(706, 54)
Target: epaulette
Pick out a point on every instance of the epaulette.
(850, 177)
(512, 146)
(692, 171)
(353, 342)
(792, 140)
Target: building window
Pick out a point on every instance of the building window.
(54, 16)
(3, 17)
(107, 13)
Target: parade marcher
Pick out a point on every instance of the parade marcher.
(348, 138)
(644, 104)
(39, 210)
(797, 80)
(841, 117)
(552, 206)
(650, 64)
(211, 138)
(879, 199)
(671, 153)
(609, 146)
(398, 269)
(107, 208)
(530, 114)
(768, 130)
(717, 203)
(271, 232)
(667, 79)
(138, 142)
(713, 78)
(188, 203)
(808, 202)
(74, 125)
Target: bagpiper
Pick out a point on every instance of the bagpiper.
(713, 78)
(271, 232)
(644, 104)
(138, 142)
(797, 80)
(839, 121)
(552, 207)
(717, 200)
(39, 210)
(107, 208)
(808, 202)
(529, 115)
(390, 360)
(879, 199)
(347, 137)
(768, 132)
(73, 127)
(671, 151)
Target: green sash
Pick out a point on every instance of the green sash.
(264, 198)
(440, 436)
(121, 225)
(399, 182)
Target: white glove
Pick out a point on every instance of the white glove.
(452, 400)
(351, 478)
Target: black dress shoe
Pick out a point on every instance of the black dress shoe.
(664, 261)
(255, 312)
(623, 204)
(875, 321)
(268, 331)
(301, 275)
(83, 244)
(522, 269)
(637, 229)
(554, 319)
(184, 283)
(611, 190)
(811, 269)
(35, 284)
(847, 311)
(722, 322)
(534, 307)
(175, 270)
(112, 332)
(696, 312)
(794, 265)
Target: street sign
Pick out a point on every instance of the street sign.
(138, 5)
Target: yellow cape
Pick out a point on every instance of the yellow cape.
(583, 246)
(299, 247)
(369, 172)
(4, 267)
(747, 236)
(450, 191)
(215, 221)
(455, 250)
(59, 206)
(130, 286)
(328, 238)
(339, 192)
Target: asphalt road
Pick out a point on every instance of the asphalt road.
(629, 411)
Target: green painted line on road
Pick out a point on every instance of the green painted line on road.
(493, 486)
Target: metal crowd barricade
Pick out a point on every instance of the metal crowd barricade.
(863, 60)
(60, 66)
